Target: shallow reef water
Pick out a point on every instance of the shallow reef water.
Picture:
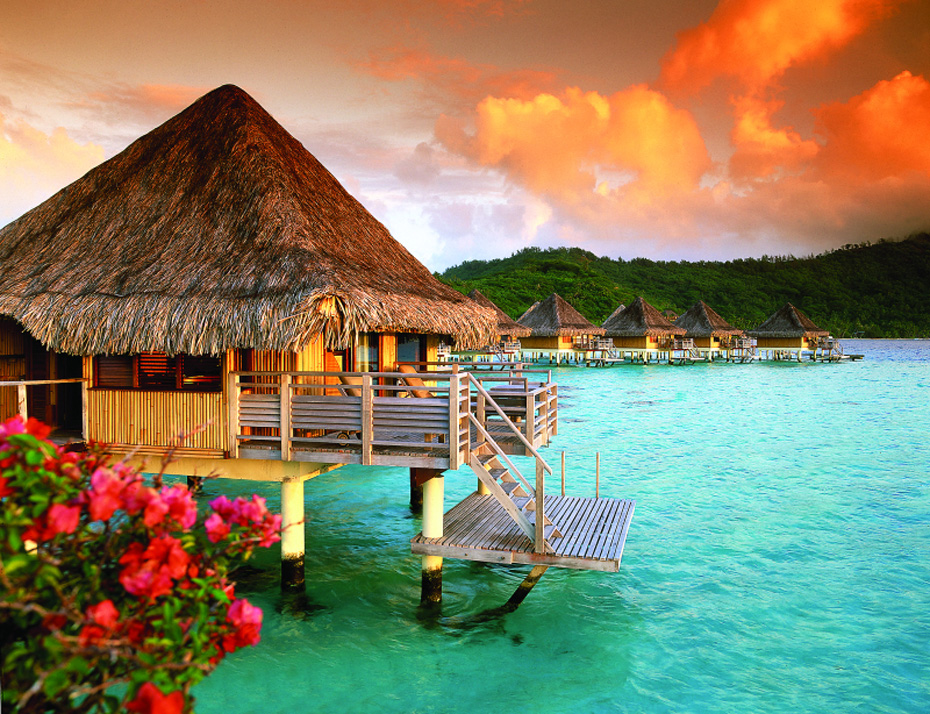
(777, 561)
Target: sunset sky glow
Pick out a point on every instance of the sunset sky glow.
(473, 128)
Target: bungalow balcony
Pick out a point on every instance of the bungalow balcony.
(415, 419)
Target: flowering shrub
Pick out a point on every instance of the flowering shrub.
(106, 581)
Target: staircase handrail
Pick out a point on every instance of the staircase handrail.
(500, 412)
(489, 440)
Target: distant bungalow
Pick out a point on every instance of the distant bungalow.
(214, 279)
(788, 330)
(555, 326)
(509, 331)
(709, 331)
(640, 327)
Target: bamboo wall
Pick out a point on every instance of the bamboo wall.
(12, 363)
(782, 343)
(636, 343)
(546, 343)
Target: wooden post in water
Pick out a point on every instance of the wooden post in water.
(431, 568)
(292, 534)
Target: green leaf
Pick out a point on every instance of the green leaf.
(55, 682)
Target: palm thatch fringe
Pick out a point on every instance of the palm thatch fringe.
(701, 320)
(640, 319)
(506, 325)
(217, 230)
(788, 322)
(554, 317)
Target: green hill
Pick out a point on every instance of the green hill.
(877, 289)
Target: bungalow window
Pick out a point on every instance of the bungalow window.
(367, 354)
(411, 348)
(157, 372)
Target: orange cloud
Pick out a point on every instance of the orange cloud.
(878, 134)
(453, 76)
(762, 150)
(34, 165)
(755, 41)
(581, 144)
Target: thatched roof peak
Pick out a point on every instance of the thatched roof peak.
(620, 308)
(215, 230)
(701, 320)
(506, 325)
(554, 317)
(788, 322)
(639, 319)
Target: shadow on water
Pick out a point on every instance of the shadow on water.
(295, 603)
(490, 621)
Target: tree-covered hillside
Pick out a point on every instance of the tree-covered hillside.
(879, 290)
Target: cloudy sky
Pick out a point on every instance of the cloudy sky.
(671, 129)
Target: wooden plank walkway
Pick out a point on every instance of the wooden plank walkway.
(594, 533)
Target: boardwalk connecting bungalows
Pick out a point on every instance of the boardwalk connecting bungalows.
(215, 280)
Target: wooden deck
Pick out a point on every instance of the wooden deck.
(594, 532)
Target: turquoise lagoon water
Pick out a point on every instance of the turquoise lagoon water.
(778, 560)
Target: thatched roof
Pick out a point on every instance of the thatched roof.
(701, 320)
(620, 308)
(553, 317)
(506, 325)
(788, 322)
(217, 230)
(639, 319)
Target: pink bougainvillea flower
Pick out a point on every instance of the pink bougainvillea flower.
(5, 490)
(37, 428)
(247, 619)
(105, 494)
(62, 519)
(180, 504)
(217, 528)
(104, 613)
(151, 571)
(150, 700)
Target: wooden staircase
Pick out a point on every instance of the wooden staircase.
(513, 492)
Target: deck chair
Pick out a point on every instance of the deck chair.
(422, 392)
(355, 381)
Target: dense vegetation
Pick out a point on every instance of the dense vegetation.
(877, 289)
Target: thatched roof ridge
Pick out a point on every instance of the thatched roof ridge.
(506, 325)
(788, 322)
(554, 317)
(620, 308)
(216, 230)
(640, 319)
(701, 320)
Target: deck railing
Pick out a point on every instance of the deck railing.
(383, 418)
(22, 399)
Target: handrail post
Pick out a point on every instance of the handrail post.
(530, 420)
(540, 545)
(367, 419)
(21, 402)
(85, 421)
(232, 414)
(285, 388)
(453, 440)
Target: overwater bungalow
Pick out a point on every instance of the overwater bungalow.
(712, 335)
(214, 280)
(640, 333)
(557, 329)
(789, 334)
(509, 331)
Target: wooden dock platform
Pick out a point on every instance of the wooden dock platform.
(594, 533)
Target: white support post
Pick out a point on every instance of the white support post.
(21, 401)
(285, 387)
(431, 583)
(292, 534)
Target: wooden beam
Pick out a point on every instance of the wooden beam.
(528, 584)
